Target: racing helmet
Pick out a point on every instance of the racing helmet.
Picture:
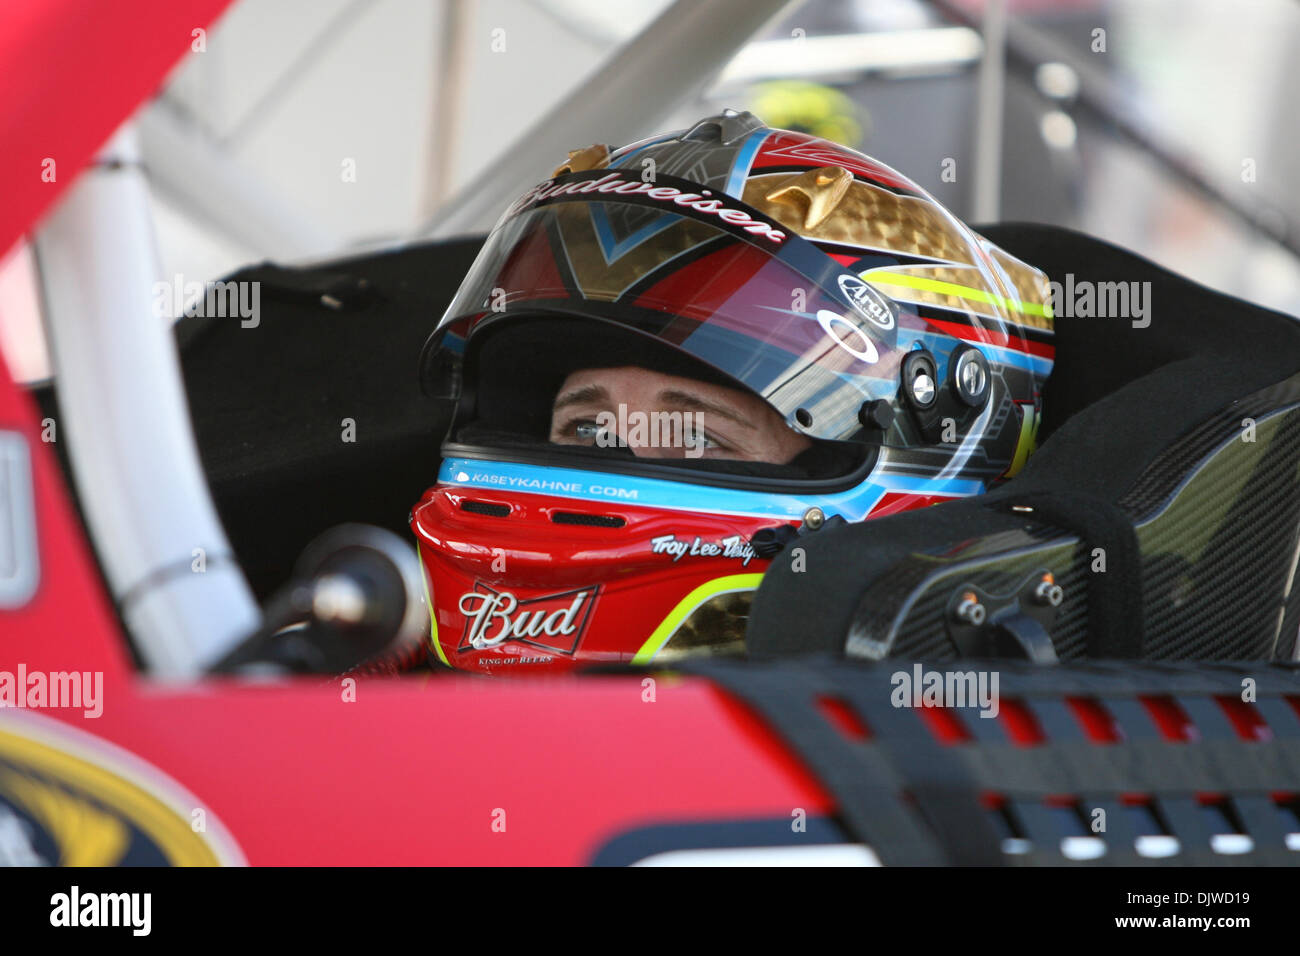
(908, 350)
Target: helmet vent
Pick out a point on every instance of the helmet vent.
(484, 508)
(597, 521)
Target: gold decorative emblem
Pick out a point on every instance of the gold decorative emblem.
(595, 156)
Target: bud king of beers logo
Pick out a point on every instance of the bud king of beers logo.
(554, 622)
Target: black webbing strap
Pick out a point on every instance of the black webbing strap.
(939, 783)
(1114, 595)
(1173, 775)
(901, 793)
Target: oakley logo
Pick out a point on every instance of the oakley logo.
(551, 621)
(847, 336)
(871, 305)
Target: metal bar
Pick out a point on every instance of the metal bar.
(987, 202)
(675, 56)
(1102, 100)
(133, 456)
(913, 52)
(447, 96)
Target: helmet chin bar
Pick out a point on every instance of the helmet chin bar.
(137, 470)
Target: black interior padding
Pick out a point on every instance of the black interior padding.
(268, 403)
(1097, 357)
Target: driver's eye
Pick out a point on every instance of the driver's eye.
(587, 431)
(702, 439)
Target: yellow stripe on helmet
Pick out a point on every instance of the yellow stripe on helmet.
(687, 605)
(960, 291)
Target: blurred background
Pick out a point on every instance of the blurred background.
(307, 129)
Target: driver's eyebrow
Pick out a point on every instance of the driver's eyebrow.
(581, 395)
(695, 403)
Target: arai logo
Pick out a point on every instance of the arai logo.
(551, 621)
(871, 305)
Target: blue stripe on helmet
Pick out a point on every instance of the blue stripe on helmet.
(582, 485)
(745, 159)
